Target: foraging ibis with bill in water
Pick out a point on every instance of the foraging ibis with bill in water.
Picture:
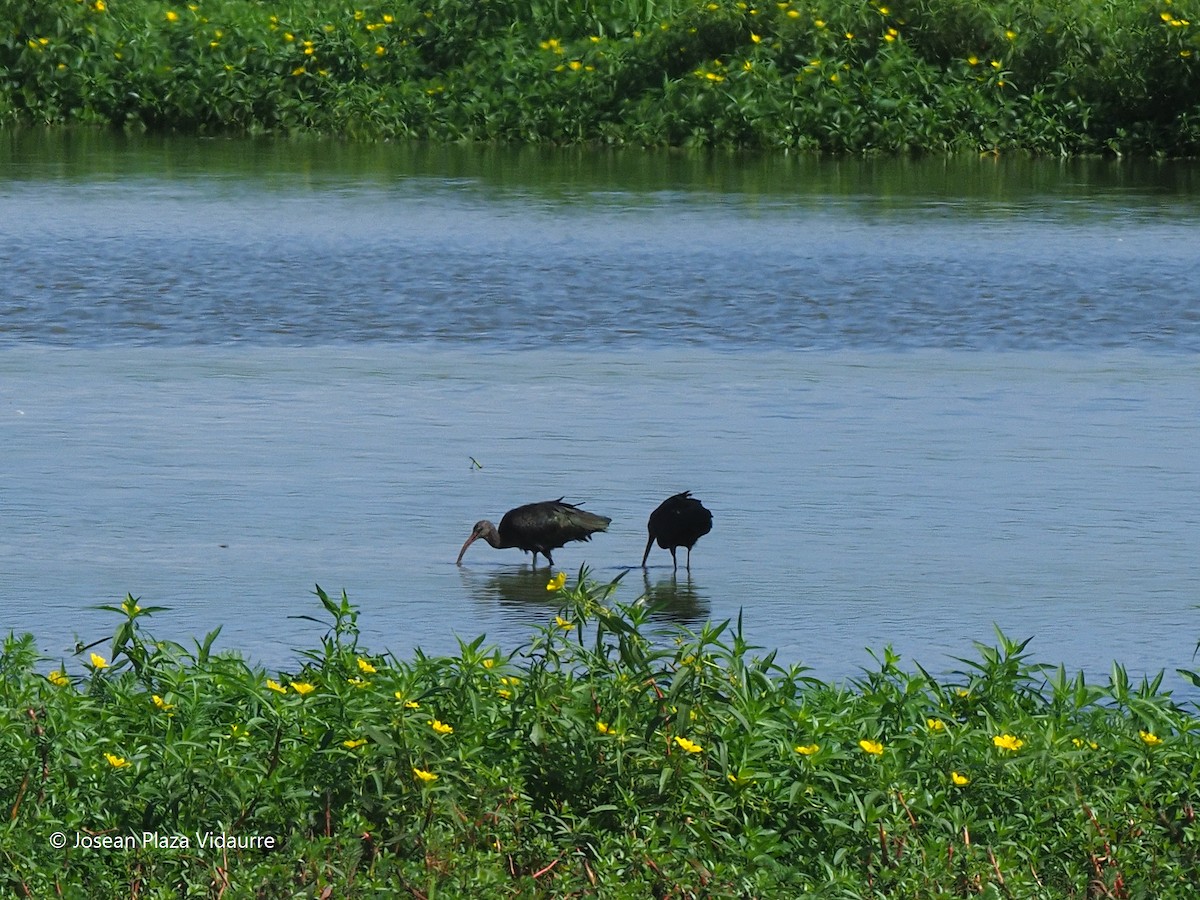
(679, 521)
(538, 528)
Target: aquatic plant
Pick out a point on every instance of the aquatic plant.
(605, 757)
(1056, 77)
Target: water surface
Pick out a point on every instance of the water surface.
(920, 399)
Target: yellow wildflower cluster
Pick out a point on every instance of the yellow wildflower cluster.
(1008, 742)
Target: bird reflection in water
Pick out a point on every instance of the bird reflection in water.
(676, 600)
(523, 592)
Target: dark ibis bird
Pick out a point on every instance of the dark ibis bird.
(538, 528)
(679, 521)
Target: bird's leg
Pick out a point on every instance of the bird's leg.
(674, 560)
(689, 561)
(549, 560)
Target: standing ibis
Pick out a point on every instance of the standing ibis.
(538, 528)
(679, 521)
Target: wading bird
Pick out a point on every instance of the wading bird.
(538, 528)
(679, 521)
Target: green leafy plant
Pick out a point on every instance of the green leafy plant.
(608, 756)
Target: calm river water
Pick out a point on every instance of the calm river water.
(922, 399)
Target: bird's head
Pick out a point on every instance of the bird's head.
(483, 529)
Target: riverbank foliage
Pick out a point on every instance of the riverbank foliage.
(1052, 77)
(590, 762)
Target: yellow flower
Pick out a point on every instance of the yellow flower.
(172, 16)
(302, 687)
(408, 704)
(1010, 34)
(423, 775)
(995, 63)
(276, 687)
(440, 727)
(603, 728)
(1080, 743)
(1149, 738)
(99, 6)
(873, 747)
(1165, 16)
(563, 623)
(506, 694)
(1008, 742)
(388, 18)
(807, 749)
(556, 583)
(117, 762)
(756, 38)
(972, 60)
(299, 70)
(353, 743)
(380, 50)
(883, 10)
(288, 36)
(238, 731)
(574, 65)
(365, 667)
(687, 745)
(161, 703)
(935, 724)
(960, 780)
(358, 682)
(820, 23)
(99, 662)
(58, 679)
(489, 663)
(713, 76)
(793, 14)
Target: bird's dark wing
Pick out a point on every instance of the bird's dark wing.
(549, 524)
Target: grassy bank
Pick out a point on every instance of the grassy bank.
(1058, 76)
(590, 762)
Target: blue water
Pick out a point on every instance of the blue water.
(917, 406)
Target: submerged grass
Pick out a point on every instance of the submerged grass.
(1052, 77)
(593, 762)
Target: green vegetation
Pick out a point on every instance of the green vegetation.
(591, 762)
(1048, 77)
